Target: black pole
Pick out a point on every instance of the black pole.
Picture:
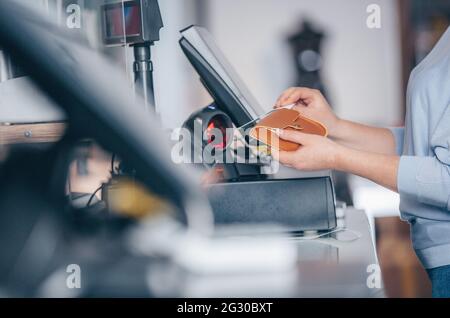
(143, 73)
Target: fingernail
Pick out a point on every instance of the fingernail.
(278, 131)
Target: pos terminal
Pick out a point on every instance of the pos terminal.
(299, 202)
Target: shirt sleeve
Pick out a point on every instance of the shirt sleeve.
(427, 179)
(399, 134)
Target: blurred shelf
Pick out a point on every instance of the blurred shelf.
(31, 133)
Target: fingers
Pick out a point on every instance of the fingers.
(300, 108)
(294, 95)
(287, 158)
(283, 96)
(295, 136)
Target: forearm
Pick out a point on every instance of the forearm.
(380, 168)
(364, 138)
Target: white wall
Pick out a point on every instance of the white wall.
(362, 66)
(178, 91)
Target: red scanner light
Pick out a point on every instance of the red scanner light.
(216, 123)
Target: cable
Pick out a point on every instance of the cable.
(93, 195)
(113, 159)
(341, 229)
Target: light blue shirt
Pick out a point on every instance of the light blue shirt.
(424, 145)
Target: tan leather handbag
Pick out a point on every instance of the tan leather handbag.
(286, 119)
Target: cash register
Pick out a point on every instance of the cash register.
(249, 191)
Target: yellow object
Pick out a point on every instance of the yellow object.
(129, 197)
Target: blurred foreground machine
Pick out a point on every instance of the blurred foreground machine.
(46, 238)
(252, 188)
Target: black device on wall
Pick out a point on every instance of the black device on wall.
(306, 50)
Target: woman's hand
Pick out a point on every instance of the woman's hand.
(321, 153)
(315, 153)
(312, 104)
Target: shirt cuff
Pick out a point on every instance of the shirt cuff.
(399, 135)
(406, 178)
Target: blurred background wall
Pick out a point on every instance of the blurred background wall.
(361, 66)
(178, 91)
